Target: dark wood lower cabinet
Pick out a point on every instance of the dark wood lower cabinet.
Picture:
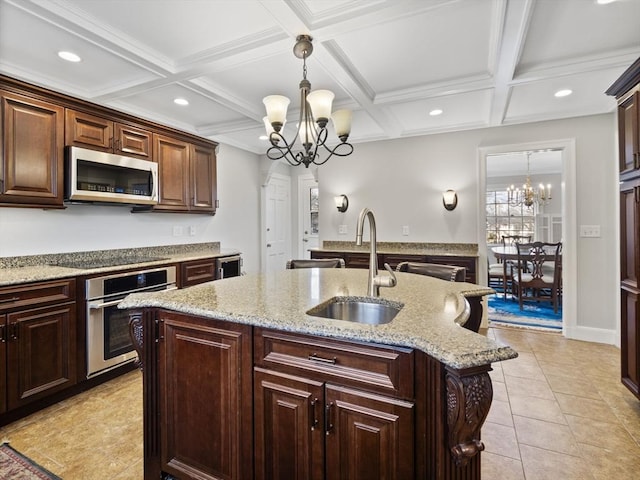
(40, 353)
(205, 398)
(289, 426)
(361, 260)
(368, 435)
(308, 430)
(230, 401)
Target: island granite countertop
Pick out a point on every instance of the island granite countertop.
(430, 320)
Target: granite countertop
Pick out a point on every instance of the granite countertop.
(413, 248)
(35, 268)
(430, 320)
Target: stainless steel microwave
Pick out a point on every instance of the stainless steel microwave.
(93, 176)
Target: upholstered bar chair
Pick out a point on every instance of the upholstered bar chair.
(315, 263)
(451, 273)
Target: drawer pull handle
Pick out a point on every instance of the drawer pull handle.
(9, 300)
(312, 407)
(328, 425)
(314, 357)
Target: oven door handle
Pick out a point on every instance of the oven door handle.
(97, 306)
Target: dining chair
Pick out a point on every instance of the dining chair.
(452, 273)
(500, 276)
(533, 280)
(315, 263)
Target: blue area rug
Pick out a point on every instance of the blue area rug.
(536, 316)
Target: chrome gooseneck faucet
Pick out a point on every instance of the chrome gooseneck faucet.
(375, 281)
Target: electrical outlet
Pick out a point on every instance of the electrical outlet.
(342, 229)
(405, 230)
(192, 230)
(590, 231)
(177, 231)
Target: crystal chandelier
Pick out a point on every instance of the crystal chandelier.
(315, 110)
(529, 196)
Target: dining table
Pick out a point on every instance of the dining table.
(504, 253)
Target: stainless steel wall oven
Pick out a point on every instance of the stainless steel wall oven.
(108, 341)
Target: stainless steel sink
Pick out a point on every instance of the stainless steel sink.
(370, 310)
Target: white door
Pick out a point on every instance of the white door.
(278, 219)
(307, 215)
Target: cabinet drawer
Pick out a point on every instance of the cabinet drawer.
(198, 271)
(382, 369)
(36, 294)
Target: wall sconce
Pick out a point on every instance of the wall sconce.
(450, 199)
(342, 203)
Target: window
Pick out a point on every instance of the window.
(313, 210)
(506, 219)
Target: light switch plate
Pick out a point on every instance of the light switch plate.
(177, 231)
(342, 229)
(590, 231)
(405, 230)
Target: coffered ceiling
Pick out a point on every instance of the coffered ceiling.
(483, 62)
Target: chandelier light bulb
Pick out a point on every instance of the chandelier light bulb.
(276, 106)
(320, 102)
(342, 123)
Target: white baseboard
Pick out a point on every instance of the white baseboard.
(590, 334)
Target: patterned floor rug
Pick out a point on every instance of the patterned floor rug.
(539, 316)
(16, 466)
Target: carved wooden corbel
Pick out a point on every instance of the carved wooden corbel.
(469, 395)
(136, 324)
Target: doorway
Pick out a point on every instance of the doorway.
(308, 211)
(523, 205)
(566, 192)
(277, 245)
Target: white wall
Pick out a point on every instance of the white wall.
(27, 231)
(402, 182)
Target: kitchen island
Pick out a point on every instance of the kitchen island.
(240, 382)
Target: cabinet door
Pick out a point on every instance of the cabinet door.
(629, 235)
(132, 141)
(630, 341)
(85, 130)
(3, 369)
(205, 388)
(629, 133)
(289, 427)
(368, 436)
(629, 271)
(173, 173)
(31, 169)
(41, 353)
(203, 178)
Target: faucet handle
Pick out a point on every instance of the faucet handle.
(387, 281)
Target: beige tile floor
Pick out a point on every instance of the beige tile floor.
(559, 412)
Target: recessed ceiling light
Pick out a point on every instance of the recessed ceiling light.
(69, 56)
(435, 112)
(563, 93)
(181, 101)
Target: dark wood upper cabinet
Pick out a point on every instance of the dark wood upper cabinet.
(629, 133)
(32, 160)
(172, 156)
(91, 131)
(37, 124)
(203, 178)
(187, 175)
(626, 89)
